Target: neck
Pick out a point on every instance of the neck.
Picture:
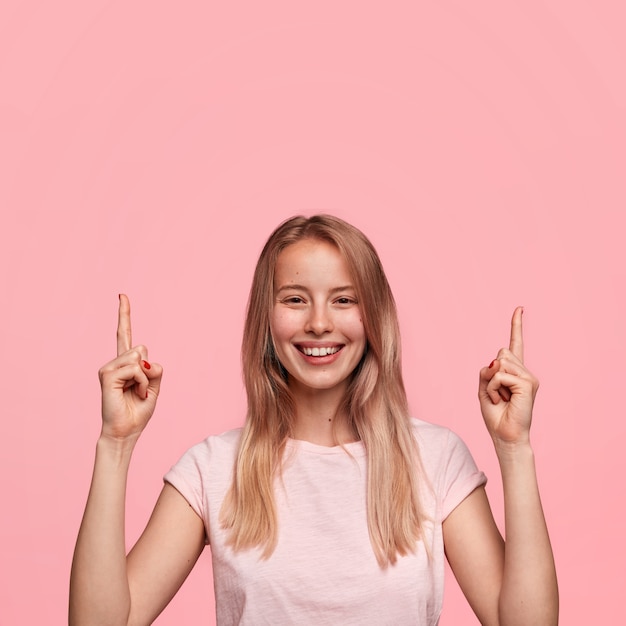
(318, 419)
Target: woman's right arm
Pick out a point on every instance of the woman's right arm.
(106, 587)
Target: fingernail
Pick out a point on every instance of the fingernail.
(146, 395)
(491, 364)
(146, 365)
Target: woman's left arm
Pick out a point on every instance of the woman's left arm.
(519, 578)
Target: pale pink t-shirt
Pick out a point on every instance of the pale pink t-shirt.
(323, 570)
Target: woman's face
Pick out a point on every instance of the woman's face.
(315, 321)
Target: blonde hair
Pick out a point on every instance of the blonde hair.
(375, 404)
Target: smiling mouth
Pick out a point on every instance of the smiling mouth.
(323, 351)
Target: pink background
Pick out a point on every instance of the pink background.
(150, 147)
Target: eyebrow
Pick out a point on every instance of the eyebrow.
(296, 287)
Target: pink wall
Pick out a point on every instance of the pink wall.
(151, 150)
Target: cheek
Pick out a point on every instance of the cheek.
(356, 326)
(282, 326)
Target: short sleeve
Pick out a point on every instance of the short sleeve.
(460, 474)
(187, 477)
(204, 473)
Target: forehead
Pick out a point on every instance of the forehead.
(310, 259)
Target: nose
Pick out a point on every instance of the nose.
(319, 320)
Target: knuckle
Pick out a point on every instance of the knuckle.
(105, 376)
(104, 370)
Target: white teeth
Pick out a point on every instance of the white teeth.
(320, 351)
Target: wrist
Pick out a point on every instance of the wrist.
(511, 452)
(117, 447)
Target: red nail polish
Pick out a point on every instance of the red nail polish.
(491, 364)
(146, 365)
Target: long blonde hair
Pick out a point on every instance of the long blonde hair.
(375, 404)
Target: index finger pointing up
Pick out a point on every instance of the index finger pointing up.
(124, 334)
(516, 345)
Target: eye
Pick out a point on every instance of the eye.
(344, 300)
(293, 300)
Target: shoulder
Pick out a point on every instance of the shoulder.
(224, 441)
(442, 452)
(431, 436)
(215, 449)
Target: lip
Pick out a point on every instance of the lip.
(319, 360)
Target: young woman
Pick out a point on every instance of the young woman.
(331, 505)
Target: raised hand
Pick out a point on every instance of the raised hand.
(130, 383)
(507, 391)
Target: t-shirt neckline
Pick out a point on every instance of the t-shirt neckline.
(355, 448)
